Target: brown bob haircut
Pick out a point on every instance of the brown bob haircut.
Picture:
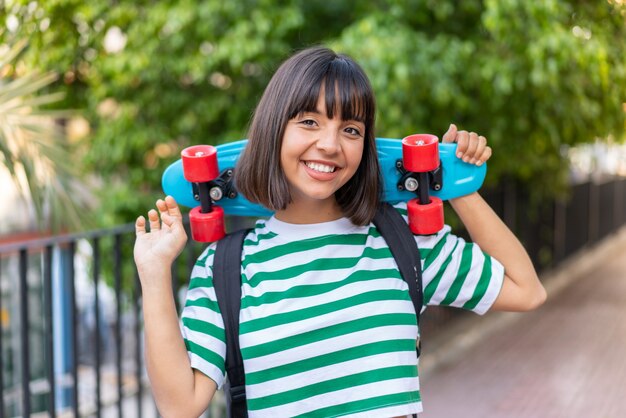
(295, 88)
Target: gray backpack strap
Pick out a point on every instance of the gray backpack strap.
(227, 284)
(403, 247)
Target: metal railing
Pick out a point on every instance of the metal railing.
(70, 323)
(49, 314)
(554, 230)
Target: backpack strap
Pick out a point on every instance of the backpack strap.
(227, 284)
(403, 247)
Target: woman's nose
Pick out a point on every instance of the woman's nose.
(328, 141)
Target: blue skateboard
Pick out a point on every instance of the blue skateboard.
(201, 179)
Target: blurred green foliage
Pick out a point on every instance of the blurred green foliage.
(34, 149)
(532, 76)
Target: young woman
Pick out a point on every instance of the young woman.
(327, 327)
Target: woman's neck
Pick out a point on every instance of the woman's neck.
(310, 212)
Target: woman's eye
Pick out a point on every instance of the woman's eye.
(353, 131)
(308, 122)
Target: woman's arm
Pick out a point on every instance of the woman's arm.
(179, 390)
(521, 290)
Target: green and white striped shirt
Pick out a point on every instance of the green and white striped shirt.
(327, 326)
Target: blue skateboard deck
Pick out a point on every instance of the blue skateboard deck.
(456, 177)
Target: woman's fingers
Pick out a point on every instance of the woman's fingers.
(478, 152)
(484, 156)
(153, 217)
(481, 145)
(140, 225)
(169, 206)
(462, 140)
(472, 145)
(168, 212)
(172, 207)
(450, 135)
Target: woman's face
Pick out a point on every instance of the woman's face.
(319, 154)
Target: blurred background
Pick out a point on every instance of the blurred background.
(98, 97)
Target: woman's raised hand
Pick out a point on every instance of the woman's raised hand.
(471, 147)
(166, 238)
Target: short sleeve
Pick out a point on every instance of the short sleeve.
(457, 273)
(202, 326)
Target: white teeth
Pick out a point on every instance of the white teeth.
(322, 168)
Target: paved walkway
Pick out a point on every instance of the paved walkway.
(567, 359)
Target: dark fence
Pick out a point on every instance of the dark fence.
(70, 306)
(54, 337)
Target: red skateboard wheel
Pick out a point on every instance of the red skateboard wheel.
(425, 219)
(420, 153)
(200, 163)
(207, 227)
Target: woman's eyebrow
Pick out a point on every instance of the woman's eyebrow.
(314, 111)
(355, 120)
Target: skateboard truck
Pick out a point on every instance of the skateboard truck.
(409, 181)
(201, 170)
(421, 169)
(218, 188)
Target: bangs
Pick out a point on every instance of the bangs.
(347, 94)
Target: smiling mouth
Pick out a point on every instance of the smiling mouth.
(321, 168)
